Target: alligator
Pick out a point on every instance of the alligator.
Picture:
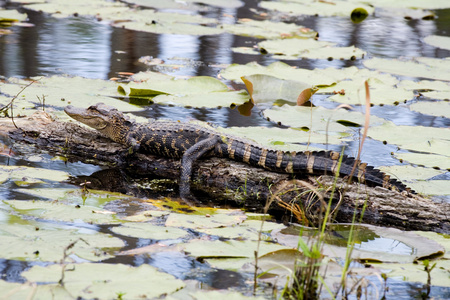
(191, 141)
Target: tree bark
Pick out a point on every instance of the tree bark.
(224, 180)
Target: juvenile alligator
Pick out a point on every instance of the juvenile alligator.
(191, 141)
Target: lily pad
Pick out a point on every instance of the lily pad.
(219, 219)
(265, 88)
(277, 69)
(407, 172)
(284, 139)
(59, 91)
(249, 229)
(8, 16)
(201, 91)
(219, 249)
(41, 242)
(317, 118)
(438, 41)
(431, 187)
(268, 29)
(53, 210)
(313, 8)
(434, 68)
(417, 138)
(211, 100)
(438, 109)
(309, 48)
(425, 159)
(371, 243)
(416, 273)
(107, 281)
(149, 231)
(28, 175)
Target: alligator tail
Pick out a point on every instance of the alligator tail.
(308, 162)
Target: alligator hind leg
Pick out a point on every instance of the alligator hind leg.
(189, 157)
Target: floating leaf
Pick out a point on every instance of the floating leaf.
(283, 139)
(219, 219)
(319, 8)
(417, 138)
(149, 231)
(107, 281)
(309, 48)
(57, 211)
(439, 109)
(425, 159)
(219, 249)
(317, 118)
(25, 174)
(438, 41)
(212, 100)
(434, 68)
(407, 172)
(43, 242)
(431, 187)
(371, 243)
(277, 69)
(265, 88)
(268, 29)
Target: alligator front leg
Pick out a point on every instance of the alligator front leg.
(189, 157)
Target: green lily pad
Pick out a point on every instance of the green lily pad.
(277, 69)
(53, 210)
(434, 68)
(313, 8)
(107, 281)
(425, 85)
(415, 4)
(219, 249)
(316, 118)
(149, 231)
(62, 9)
(417, 138)
(407, 172)
(431, 187)
(380, 93)
(441, 95)
(268, 29)
(42, 242)
(439, 109)
(207, 295)
(265, 88)
(201, 91)
(8, 16)
(60, 91)
(416, 273)
(25, 174)
(212, 100)
(194, 85)
(95, 198)
(219, 219)
(425, 159)
(309, 48)
(283, 139)
(249, 229)
(438, 41)
(371, 243)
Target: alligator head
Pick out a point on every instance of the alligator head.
(106, 119)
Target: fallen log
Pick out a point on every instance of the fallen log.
(224, 180)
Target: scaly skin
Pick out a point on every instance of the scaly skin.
(191, 141)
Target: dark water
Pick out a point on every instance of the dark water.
(93, 49)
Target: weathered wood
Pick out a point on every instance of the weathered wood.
(222, 179)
